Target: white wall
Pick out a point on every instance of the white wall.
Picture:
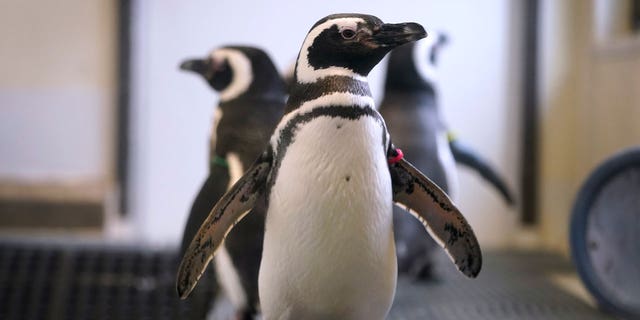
(57, 87)
(172, 110)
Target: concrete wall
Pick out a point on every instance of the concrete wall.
(173, 110)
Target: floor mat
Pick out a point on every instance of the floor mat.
(68, 281)
(42, 281)
(511, 285)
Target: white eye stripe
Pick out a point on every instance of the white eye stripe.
(343, 28)
(242, 72)
(307, 73)
(421, 57)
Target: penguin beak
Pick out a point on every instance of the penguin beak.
(199, 66)
(443, 39)
(392, 35)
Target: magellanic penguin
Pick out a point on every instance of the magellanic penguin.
(410, 108)
(412, 72)
(462, 153)
(330, 175)
(252, 97)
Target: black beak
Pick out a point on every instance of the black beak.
(199, 66)
(393, 35)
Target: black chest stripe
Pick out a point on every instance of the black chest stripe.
(288, 133)
(301, 93)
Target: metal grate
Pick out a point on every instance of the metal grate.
(94, 282)
(60, 282)
(511, 285)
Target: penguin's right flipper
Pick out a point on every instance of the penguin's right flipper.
(444, 222)
(465, 155)
(231, 208)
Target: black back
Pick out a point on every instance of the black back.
(410, 109)
(244, 129)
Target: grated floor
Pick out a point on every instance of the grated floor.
(42, 281)
(62, 281)
(511, 285)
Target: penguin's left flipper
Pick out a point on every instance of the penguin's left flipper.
(229, 210)
(428, 203)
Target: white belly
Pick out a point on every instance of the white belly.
(328, 248)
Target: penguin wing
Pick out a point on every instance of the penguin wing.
(444, 222)
(211, 191)
(231, 208)
(463, 154)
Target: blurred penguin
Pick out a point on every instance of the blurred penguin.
(251, 102)
(410, 109)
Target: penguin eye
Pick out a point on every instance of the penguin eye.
(348, 34)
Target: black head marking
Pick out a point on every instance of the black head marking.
(266, 77)
(220, 73)
(346, 45)
(352, 42)
(248, 116)
(249, 119)
(217, 73)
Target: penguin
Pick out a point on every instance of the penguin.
(330, 175)
(251, 102)
(410, 108)
(462, 153)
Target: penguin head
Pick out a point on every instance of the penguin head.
(350, 45)
(412, 67)
(215, 68)
(237, 70)
(429, 49)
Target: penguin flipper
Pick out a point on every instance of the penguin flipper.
(211, 191)
(463, 154)
(447, 226)
(231, 208)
